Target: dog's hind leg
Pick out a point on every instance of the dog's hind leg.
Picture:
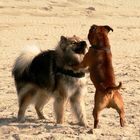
(96, 117)
(122, 116)
(100, 102)
(22, 108)
(59, 107)
(78, 107)
(42, 99)
(25, 97)
(119, 106)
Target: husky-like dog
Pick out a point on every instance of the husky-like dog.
(40, 75)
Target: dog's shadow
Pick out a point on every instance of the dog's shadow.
(36, 124)
(7, 121)
(28, 123)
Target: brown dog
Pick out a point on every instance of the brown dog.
(99, 61)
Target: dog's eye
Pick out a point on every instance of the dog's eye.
(94, 28)
(73, 43)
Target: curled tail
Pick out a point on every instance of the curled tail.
(109, 89)
(24, 60)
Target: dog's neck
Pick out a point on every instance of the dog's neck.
(96, 47)
(101, 43)
(70, 73)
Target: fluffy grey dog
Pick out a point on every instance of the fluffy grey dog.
(40, 75)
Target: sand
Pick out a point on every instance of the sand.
(42, 22)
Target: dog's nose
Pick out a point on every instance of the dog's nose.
(80, 49)
(83, 43)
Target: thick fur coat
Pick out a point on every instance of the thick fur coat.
(40, 75)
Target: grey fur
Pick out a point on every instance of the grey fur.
(68, 88)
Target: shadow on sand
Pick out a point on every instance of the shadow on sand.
(28, 123)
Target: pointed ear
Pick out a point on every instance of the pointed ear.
(63, 42)
(108, 28)
(63, 39)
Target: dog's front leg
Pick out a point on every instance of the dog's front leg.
(78, 107)
(59, 107)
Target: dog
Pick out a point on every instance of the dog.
(40, 75)
(99, 62)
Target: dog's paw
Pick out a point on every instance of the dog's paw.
(90, 131)
(80, 124)
(21, 119)
(41, 117)
(59, 125)
(84, 124)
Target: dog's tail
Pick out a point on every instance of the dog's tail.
(24, 60)
(109, 89)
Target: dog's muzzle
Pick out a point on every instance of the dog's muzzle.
(80, 49)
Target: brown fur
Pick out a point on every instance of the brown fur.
(99, 61)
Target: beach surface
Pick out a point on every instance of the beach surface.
(41, 23)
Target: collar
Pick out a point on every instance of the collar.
(70, 73)
(100, 49)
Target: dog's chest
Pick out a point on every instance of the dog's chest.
(72, 85)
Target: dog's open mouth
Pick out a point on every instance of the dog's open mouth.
(81, 47)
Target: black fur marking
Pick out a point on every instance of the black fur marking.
(71, 73)
(41, 71)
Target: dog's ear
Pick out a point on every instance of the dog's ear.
(108, 28)
(63, 42)
(63, 39)
(93, 27)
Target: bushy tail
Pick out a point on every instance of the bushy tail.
(24, 60)
(109, 89)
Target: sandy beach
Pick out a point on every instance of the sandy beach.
(41, 23)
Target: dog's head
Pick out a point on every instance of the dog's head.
(98, 33)
(72, 49)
